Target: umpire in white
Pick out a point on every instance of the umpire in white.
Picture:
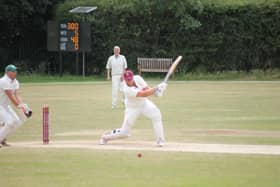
(115, 66)
(9, 119)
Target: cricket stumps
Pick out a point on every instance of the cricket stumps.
(45, 124)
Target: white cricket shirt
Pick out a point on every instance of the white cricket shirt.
(130, 93)
(117, 64)
(7, 84)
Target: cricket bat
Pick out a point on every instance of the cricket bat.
(172, 68)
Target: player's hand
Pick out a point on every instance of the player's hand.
(162, 86)
(25, 109)
(158, 93)
(160, 89)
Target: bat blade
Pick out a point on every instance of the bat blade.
(172, 68)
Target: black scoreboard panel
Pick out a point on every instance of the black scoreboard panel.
(85, 39)
(52, 36)
(70, 36)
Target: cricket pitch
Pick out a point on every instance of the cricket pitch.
(150, 146)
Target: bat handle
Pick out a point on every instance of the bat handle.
(165, 79)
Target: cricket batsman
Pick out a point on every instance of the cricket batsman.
(136, 92)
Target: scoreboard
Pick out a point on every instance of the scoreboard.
(69, 39)
(69, 36)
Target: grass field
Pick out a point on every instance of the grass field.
(225, 112)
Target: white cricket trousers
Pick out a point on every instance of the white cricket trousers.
(117, 85)
(150, 111)
(10, 119)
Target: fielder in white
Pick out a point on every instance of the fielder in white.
(115, 66)
(136, 91)
(9, 119)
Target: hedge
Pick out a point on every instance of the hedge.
(211, 36)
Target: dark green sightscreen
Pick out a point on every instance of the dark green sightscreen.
(52, 36)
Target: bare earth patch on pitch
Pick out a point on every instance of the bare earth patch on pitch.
(127, 145)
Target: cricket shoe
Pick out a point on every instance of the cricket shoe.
(113, 106)
(102, 141)
(160, 143)
(5, 144)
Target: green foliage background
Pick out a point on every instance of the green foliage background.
(212, 35)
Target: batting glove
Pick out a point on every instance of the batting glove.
(26, 110)
(158, 93)
(160, 89)
(162, 86)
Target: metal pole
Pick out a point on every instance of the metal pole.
(84, 18)
(60, 64)
(83, 64)
(77, 63)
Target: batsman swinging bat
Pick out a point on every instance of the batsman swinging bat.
(172, 68)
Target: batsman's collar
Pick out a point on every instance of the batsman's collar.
(128, 75)
(11, 67)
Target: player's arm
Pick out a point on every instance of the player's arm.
(125, 62)
(25, 111)
(17, 96)
(108, 74)
(147, 91)
(108, 67)
(13, 96)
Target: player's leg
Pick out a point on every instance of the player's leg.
(123, 132)
(19, 118)
(152, 112)
(121, 86)
(130, 116)
(10, 123)
(115, 89)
